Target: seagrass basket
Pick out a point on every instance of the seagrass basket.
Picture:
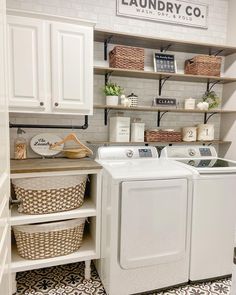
(41, 195)
(206, 65)
(39, 241)
(162, 136)
(127, 57)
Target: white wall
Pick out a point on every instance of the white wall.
(104, 13)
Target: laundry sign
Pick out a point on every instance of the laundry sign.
(180, 12)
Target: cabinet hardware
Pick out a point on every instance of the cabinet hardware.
(56, 104)
(83, 127)
(41, 103)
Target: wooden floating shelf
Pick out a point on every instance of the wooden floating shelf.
(156, 109)
(159, 43)
(86, 252)
(159, 142)
(159, 75)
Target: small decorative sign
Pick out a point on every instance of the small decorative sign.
(164, 102)
(181, 12)
(41, 143)
(164, 62)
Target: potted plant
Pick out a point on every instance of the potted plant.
(212, 99)
(112, 92)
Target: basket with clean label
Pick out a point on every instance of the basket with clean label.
(47, 240)
(41, 195)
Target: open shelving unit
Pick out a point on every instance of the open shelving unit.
(91, 209)
(159, 143)
(161, 44)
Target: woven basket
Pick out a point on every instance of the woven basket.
(163, 136)
(42, 195)
(205, 65)
(126, 57)
(48, 240)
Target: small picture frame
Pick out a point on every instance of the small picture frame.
(164, 62)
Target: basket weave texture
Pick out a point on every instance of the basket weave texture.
(49, 200)
(206, 65)
(39, 243)
(163, 136)
(126, 57)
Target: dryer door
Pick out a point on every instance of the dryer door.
(154, 217)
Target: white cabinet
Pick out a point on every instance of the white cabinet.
(51, 65)
(72, 67)
(27, 89)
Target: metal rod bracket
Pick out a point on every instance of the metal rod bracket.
(207, 117)
(162, 82)
(159, 117)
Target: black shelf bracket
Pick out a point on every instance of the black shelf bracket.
(82, 127)
(210, 85)
(107, 77)
(162, 82)
(164, 49)
(159, 117)
(207, 117)
(106, 42)
(106, 113)
(216, 53)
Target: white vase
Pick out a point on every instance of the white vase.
(112, 100)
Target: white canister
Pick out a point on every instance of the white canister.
(189, 103)
(189, 134)
(137, 131)
(205, 132)
(119, 129)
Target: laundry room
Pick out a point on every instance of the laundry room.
(111, 104)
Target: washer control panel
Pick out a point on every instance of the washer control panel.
(145, 153)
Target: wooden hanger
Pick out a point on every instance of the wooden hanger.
(72, 137)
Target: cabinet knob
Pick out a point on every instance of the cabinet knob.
(56, 104)
(41, 103)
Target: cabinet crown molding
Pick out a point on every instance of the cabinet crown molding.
(49, 17)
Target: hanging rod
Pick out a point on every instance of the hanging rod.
(83, 127)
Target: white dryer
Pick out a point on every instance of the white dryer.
(146, 213)
(214, 207)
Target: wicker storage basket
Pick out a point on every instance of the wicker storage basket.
(206, 65)
(163, 136)
(48, 240)
(126, 57)
(42, 195)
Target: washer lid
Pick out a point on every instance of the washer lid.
(146, 169)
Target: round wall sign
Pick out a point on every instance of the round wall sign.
(40, 144)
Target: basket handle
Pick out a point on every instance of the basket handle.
(72, 137)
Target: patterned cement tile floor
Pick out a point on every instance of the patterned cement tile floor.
(68, 280)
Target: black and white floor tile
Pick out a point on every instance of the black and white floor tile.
(69, 280)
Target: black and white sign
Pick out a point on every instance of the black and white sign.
(164, 102)
(181, 12)
(164, 62)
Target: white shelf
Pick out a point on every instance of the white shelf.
(87, 210)
(86, 252)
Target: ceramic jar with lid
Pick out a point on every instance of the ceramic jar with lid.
(189, 103)
(189, 134)
(119, 128)
(137, 130)
(205, 132)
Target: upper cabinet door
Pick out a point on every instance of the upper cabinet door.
(72, 68)
(26, 49)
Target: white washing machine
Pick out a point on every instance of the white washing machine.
(214, 207)
(146, 214)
